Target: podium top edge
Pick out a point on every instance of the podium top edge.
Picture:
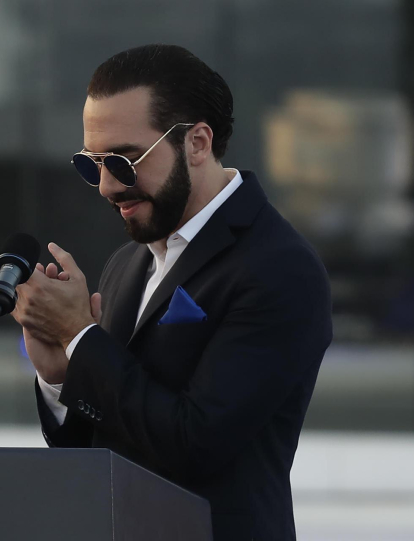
(65, 450)
(102, 455)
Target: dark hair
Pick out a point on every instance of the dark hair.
(184, 89)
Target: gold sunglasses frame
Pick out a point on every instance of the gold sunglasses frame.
(91, 155)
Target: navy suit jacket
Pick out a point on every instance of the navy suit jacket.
(215, 406)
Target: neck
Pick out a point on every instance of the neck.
(205, 187)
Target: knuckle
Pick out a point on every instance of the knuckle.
(24, 321)
(26, 312)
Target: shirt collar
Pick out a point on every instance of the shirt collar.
(190, 229)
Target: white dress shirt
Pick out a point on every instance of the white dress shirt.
(164, 259)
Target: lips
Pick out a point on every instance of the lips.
(129, 207)
(128, 204)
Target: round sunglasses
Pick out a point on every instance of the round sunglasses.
(119, 166)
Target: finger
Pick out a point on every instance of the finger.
(40, 267)
(52, 271)
(64, 259)
(63, 276)
(96, 303)
(38, 276)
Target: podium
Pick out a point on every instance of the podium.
(93, 495)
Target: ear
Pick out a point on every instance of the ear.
(200, 142)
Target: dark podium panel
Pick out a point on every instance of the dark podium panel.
(93, 495)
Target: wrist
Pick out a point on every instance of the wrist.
(52, 378)
(66, 340)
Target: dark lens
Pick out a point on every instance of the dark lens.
(120, 169)
(87, 169)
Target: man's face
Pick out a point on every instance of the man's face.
(154, 207)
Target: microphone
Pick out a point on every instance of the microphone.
(18, 258)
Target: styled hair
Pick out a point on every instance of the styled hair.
(183, 87)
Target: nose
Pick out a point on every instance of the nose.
(108, 185)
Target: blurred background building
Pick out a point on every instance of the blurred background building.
(324, 105)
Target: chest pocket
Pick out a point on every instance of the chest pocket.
(171, 352)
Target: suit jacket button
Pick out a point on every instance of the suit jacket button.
(98, 416)
(87, 408)
(92, 413)
(81, 405)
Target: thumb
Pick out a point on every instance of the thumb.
(96, 301)
(64, 259)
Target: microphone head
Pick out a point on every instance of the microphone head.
(21, 250)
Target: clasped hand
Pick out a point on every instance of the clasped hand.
(52, 309)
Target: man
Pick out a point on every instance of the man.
(215, 318)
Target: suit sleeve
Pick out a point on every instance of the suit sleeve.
(75, 432)
(272, 334)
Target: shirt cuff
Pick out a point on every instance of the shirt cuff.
(71, 347)
(51, 394)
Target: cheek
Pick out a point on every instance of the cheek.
(151, 176)
(148, 182)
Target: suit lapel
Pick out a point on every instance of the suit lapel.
(129, 294)
(237, 212)
(214, 237)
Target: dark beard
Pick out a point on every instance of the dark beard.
(168, 205)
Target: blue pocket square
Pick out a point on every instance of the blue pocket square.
(182, 309)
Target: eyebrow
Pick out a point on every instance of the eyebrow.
(123, 149)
